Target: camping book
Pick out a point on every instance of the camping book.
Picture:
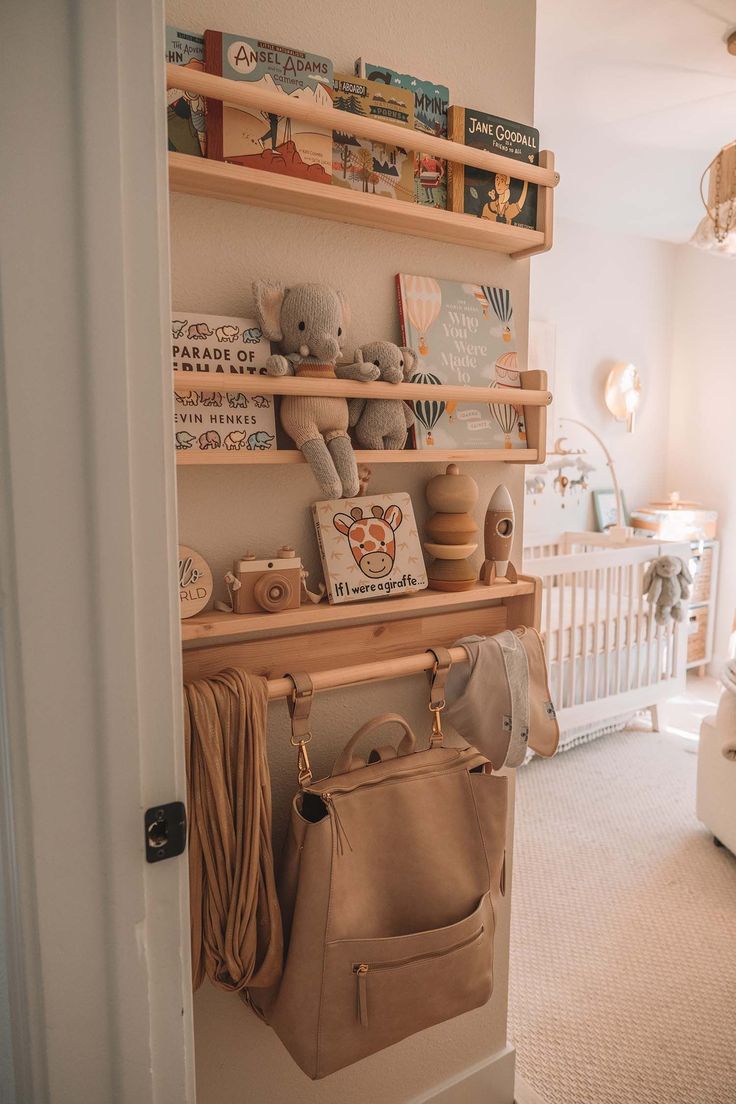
(360, 163)
(220, 421)
(430, 116)
(185, 112)
(464, 336)
(262, 140)
(369, 547)
(489, 195)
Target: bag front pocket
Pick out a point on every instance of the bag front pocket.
(378, 991)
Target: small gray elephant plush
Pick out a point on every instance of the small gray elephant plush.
(383, 423)
(666, 584)
(309, 322)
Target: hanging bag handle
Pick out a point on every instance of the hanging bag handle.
(345, 761)
(299, 703)
(437, 681)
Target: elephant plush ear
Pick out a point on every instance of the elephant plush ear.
(269, 299)
(345, 312)
(410, 360)
(358, 357)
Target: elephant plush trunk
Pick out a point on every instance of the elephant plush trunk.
(324, 347)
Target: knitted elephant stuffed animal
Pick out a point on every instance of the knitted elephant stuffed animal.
(667, 585)
(383, 423)
(309, 322)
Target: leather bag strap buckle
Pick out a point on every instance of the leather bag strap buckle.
(299, 704)
(437, 680)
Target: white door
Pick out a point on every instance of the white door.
(96, 943)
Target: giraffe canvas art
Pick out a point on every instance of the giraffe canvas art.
(369, 547)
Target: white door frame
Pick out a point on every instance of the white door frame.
(98, 942)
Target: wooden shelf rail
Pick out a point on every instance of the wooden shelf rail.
(186, 458)
(350, 389)
(242, 184)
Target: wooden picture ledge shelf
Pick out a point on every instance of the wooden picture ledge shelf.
(186, 458)
(239, 184)
(314, 638)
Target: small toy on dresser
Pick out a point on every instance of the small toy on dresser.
(383, 423)
(369, 547)
(452, 529)
(498, 535)
(266, 586)
(310, 321)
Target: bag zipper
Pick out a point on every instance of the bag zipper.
(361, 969)
(341, 836)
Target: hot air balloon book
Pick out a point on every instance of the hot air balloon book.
(430, 115)
(260, 140)
(487, 195)
(464, 336)
(364, 165)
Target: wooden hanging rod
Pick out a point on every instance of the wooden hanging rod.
(350, 389)
(364, 672)
(245, 94)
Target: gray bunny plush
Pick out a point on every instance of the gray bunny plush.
(309, 322)
(383, 423)
(666, 584)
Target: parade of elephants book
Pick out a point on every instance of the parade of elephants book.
(185, 111)
(221, 422)
(369, 547)
(485, 194)
(365, 165)
(464, 336)
(430, 115)
(262, 140)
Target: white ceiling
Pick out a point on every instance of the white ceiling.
(635, 97)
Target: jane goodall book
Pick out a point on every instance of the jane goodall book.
(369, 547)
(489, 195)
(262, 140)
(464, 336)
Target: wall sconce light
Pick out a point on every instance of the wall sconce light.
(623, 393)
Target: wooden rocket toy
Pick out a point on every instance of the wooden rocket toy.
(452, 530)
(498, 535)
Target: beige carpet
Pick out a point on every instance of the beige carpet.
(623, 963)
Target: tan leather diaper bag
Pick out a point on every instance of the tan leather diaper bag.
(386, 895)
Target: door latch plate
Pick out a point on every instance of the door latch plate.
(166, 831)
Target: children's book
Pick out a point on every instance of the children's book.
(185, 111)
(261, 140)
(489, 195)
(430, 116)
(368, 166)
(220, 421)
(464, 336)
(369, 547)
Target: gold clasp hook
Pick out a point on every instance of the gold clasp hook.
(300, 704)
(437, 680)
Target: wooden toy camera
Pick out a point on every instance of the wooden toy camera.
(266, 586)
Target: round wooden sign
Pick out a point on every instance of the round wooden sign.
(195, 582)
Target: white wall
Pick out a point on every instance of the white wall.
(701, 452)
(485, 54)
(610, 297)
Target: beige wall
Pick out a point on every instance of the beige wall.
(610, 298)
(701, 432)
(485, 53)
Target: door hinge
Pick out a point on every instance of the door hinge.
(166, 831)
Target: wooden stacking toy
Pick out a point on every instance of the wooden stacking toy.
(452, 531)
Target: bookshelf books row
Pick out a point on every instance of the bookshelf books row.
(278, 144)
(463, 335)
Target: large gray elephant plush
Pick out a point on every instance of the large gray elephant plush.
(309, 321)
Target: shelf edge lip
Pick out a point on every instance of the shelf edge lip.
(404, 456)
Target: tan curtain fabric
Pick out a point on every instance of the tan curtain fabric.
(237, 939)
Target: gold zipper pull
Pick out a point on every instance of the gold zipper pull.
(361, 974)
(341, 836)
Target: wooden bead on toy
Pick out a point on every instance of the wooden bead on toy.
(452, 493)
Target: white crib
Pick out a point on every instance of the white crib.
(607, 658)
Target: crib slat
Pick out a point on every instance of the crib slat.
(630, 631)
(573, 634)
(619, 636)
(596, 619)
(584, 641)
(561, 637)
(607, 642)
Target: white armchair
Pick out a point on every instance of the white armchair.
(716, 792)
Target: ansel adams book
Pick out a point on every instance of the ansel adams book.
(262, 140)
(487, 195)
